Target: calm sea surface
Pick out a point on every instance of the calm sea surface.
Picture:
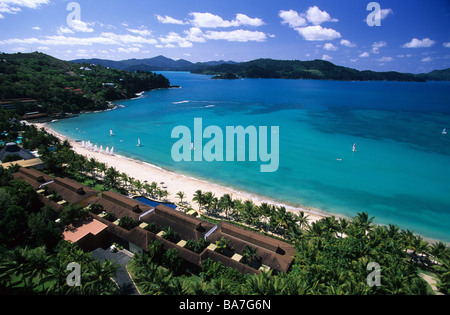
(400, 173)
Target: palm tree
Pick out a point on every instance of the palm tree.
(101, 167)
(138, 184)
(249, 254)
(208, 198)
(181, 196)
(39, 264)
(111, 178)
(363, 221)
(100, 276)
(437, 249)
(198, 198)
(226, 203)
(124, 178)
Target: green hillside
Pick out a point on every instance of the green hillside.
(294, 69)
(61, 86)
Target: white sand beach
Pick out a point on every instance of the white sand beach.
(173, 181)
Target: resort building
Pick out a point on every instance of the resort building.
(23, 157)
(104, 228)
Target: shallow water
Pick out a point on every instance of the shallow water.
(400, 173)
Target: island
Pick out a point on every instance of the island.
(225, 76)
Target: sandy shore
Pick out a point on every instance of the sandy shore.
(173, 181)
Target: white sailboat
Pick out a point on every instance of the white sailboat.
(111, 133)
(107, 151)
(139, 143)
(354, 148)
(111, 152)
(444, 132)
(192, 146)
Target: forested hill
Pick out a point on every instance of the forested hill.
(61, 86)
(295, 69)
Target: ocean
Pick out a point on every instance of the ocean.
(400, 173)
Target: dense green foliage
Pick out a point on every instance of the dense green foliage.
(436, 75)
(294, 69)
(61, 86)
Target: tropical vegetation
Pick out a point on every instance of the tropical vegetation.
(63, 87)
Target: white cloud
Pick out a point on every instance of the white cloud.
(447, 45)
(326, 57)
(209, 20)
(80, 26)
(318, 33)
(386, 59)
(13, 6)
(194, 34)
(176, 38)
(347, 43)
(427, 59)
(316, 16)
(364, 55)
(169, 20)
(417, 43)
(245, 20)
(36, 28)
(142, 31)
(377, 45)
(128, 50)
(292, 18)
(330, 47)
(64, 30)
(385, 12)
(237, 36)
(61, 40)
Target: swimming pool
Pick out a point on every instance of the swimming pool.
(154, 203)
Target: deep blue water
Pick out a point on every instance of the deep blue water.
(399, 175)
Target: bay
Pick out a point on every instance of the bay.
(400, 173)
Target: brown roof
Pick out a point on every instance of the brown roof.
(185, 225)
(71, 191)
(74, 234)
(120, 205)
(274, 253)
(33, 177)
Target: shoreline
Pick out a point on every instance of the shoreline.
(174, 181)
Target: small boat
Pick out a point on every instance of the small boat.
(192, 146)
(139, 143)
(111, 152)
(354, 148)
(444, 132)
(111, 133)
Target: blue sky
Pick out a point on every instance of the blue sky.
(414, 35)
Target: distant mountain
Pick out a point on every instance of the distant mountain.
(295, 69)
(158, 63)
(268, 68)
(436, 75)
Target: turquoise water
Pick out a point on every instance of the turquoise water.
(400, 174)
